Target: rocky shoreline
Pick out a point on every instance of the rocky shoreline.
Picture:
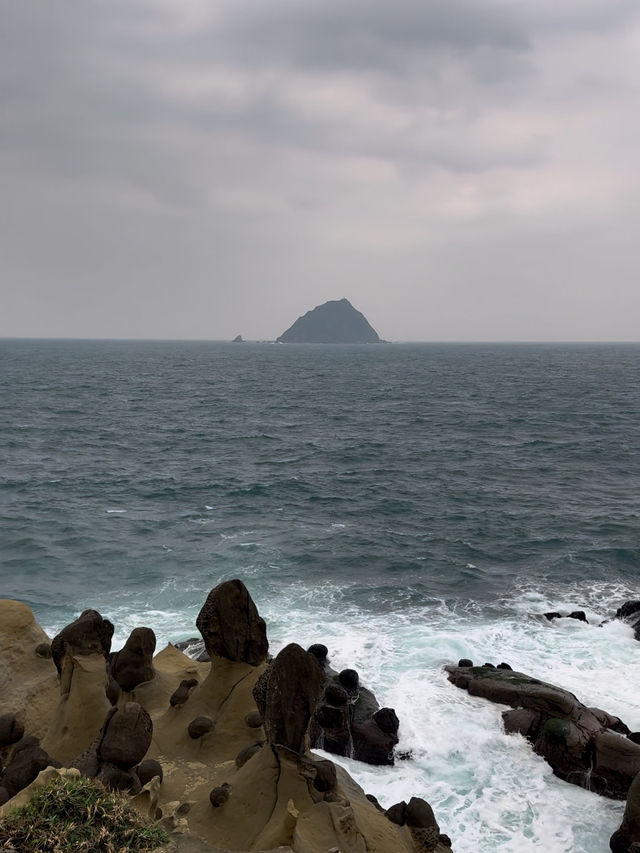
(216, 744)
(217, 750)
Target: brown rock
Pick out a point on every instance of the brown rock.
(133, 664)
(293, 691)
(231, 626)
(200, 726)
(126, 736)
(11, 730)
(88, 634)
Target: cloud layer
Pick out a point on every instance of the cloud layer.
(460, 170)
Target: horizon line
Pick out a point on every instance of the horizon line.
(438, 341)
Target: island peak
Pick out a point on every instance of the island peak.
(333, 322)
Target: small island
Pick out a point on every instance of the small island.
(334, 322)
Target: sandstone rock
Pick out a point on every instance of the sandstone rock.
(253, 719)
(248, 752)
(219, 795)
(231, 626)
(43, 650)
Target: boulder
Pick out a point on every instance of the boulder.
(231, 626)
(200, 726)
(181, 693)
(349, 721)
(27, 760)
(126, 736)
(148, 770)
(133, 664)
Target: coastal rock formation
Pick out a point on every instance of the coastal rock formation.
(133, 664)
(231, 626)
(584, 746)
(629, 833)
(630, 613)
(250, 754)
(88, 634)
(348, 719)
(334, 322)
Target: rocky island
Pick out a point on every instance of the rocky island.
(334, 322)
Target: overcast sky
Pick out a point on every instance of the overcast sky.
(458, 169)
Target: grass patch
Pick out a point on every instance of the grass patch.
(74, 815)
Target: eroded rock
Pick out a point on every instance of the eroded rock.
(231, 626)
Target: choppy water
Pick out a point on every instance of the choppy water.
(407, 505)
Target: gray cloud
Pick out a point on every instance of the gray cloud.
(208, 158)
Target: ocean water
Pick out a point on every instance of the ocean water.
(407, 505)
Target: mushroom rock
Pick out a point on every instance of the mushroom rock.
(293, 690)
(294, 798)
(82, 706)
(231, 626)
(575, 740)
(133, 664)
(89, 634)
(236, 641)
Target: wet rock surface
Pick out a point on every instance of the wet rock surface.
(630, 613)
(576, 741)
(348, 719)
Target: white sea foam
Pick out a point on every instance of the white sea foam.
(490, 792)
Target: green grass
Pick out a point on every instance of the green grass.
(75, 815)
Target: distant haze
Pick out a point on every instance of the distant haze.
(457, 169)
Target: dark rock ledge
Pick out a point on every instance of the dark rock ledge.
(585, 746)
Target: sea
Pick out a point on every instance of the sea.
(405, 504)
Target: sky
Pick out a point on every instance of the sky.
(464, 170)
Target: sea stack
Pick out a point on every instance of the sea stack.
(335, 322)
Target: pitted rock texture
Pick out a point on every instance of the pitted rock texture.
(231, 626)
